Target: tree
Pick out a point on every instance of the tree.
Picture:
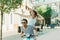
(7, 5)
(45, 11)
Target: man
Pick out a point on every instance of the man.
(26, 29)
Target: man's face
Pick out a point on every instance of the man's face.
(24, 23)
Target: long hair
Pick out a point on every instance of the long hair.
(35, 12)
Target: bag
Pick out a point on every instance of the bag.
(19, 29)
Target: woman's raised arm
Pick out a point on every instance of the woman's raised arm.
(27, 16)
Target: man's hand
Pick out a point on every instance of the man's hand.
(22, 34)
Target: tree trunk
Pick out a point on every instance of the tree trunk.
(48, 21)
(1, 23)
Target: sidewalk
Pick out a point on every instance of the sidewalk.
(9, 33)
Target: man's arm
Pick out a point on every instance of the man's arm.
(22, 34)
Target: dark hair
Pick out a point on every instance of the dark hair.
(25, 20)
(35, 12)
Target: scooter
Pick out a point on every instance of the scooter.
(28, 37)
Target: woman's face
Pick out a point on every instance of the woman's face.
(33, 14)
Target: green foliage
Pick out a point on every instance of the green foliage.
(45, 11)
(7, 5)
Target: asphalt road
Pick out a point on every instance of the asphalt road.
(17, 36)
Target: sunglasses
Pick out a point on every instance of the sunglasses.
(23, 22)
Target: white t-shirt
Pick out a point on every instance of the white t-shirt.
(32, 21)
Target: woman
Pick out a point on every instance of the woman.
(33, 17)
